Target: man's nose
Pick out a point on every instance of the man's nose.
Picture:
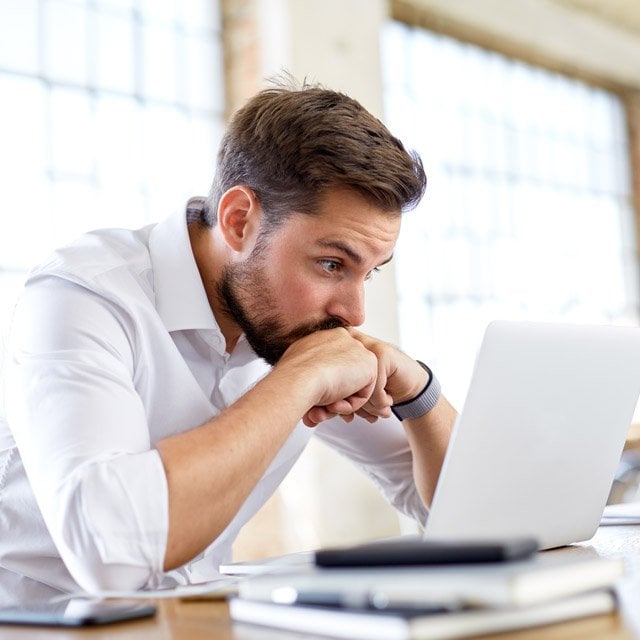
(349, 306)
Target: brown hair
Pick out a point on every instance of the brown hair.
(290, 145)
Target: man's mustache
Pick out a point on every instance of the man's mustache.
(321, 325)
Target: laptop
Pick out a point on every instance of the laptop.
(536, 445)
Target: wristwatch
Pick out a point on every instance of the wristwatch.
(423, 402)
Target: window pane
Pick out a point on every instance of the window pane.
(26, 224)
(199, 15)
(73, 210)
(158, 10)
(160, 63)
(19, 38)
(204, 61)
(108, 122)
(65, 41)
(164, 150)
(114, 40)
(115, 4)
(122, 207)
(528, 175)
(22, 128)
(203, 138)
(72, 132)
(118, 126)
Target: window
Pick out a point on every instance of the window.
(110, 115)
(528, 211)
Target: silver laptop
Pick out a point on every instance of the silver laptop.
(536, 445)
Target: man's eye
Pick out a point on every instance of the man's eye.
(370, 274)
(330, 266)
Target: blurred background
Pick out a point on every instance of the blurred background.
(526, 114)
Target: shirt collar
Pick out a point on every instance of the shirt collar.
(181, 299)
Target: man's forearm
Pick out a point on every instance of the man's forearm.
(428, 437)
(212, 469)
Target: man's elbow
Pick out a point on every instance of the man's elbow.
(96, 578)
(103, 542)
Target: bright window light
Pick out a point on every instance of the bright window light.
(111, 114)
(528, 211)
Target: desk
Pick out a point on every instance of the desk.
(178, 620)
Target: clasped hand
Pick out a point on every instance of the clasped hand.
(349, 373)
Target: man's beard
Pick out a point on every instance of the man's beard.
(262, 327)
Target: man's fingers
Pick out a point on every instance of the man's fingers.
(316, 415)
(343, 407)
(379, 405)
(363, 413)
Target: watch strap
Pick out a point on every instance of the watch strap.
(423, 402)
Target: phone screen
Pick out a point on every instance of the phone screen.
(75, 613)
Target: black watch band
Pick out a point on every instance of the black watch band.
(423, 402)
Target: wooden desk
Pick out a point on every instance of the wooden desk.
(178, 620)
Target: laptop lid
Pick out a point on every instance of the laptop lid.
(536, 445)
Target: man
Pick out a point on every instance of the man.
(162, 382)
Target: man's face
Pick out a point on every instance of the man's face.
(308, 274)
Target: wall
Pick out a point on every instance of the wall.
(632, 103)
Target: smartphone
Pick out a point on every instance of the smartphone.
(416, 551)
(75, 613)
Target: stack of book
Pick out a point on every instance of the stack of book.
(430, 602)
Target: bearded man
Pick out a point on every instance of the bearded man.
(162, 382)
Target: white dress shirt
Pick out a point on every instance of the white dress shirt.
(115, 347)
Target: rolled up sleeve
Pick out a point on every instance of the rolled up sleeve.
(82, 432)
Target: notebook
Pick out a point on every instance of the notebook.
(355, 624)
(535, 447)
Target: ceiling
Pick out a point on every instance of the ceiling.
(624, 14)
(596, 40)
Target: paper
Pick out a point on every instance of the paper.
(624, 513)
(216, 589)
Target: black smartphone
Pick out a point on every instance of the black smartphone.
(75, 613)
(416, 551)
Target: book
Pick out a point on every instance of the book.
(546, 577)
(356, 624)
(395, 551)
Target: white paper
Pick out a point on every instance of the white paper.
(623, 513)
(221, 587)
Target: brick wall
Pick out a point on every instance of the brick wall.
(241, 45)
(632, 104)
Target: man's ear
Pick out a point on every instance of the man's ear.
(239, 216)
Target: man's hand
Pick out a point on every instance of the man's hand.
(399, 378)
(340, 370)
(396, 378)
(354, 374)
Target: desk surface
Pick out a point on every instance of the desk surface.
(178, 620)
